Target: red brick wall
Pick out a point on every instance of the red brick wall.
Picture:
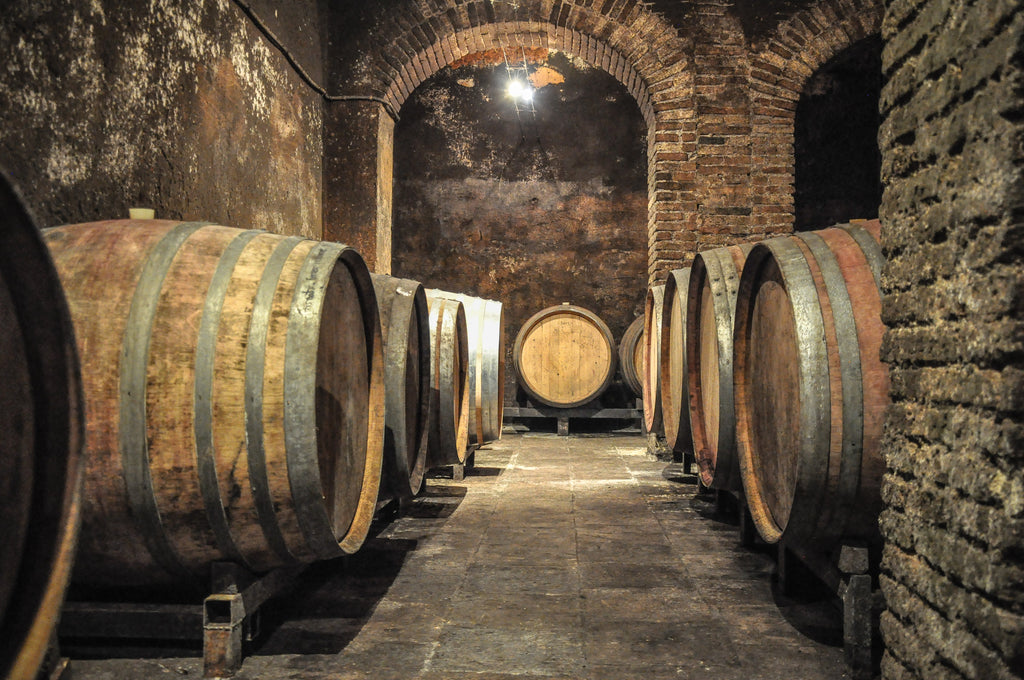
(778, 71)
(719, 101)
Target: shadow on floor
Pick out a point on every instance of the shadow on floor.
(815, 610)
(332, 601)
(324, 609)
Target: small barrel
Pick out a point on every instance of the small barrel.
(675, 402)
(653, 307)
(564, 356)
(41, 434)
(811, 390)
(711, 302)
(405, 329)
(485, 331)
(449, 383)
(631, 356)
(235, 389)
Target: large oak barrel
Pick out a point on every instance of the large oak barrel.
(675, 402)
(564, 356)
(631, 356)
(449, 383)
(234, 385)
(811, 390)
(41, 433)
(405, 328)
(485, 332)
(711, 302)
(653, 307)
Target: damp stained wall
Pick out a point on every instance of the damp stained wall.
(179, 105)
(533, 209)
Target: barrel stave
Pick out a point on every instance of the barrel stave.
(653, 310)
(41, 435)
(564, 356)
(247, 394)
(675, 403)
(110, 541)
(405, 328)
(449, 429)
(240, 475)
(711, 302)
(829, 287)
(631, 361)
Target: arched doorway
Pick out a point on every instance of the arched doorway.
(532, 204)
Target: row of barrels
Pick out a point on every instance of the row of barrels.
(180, 393)
(766, 364)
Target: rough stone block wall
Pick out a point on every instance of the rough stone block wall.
(951, 141)
(181, 105)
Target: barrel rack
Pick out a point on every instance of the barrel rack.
(457, 471)
(594, 410)
(849, 571)
(227, 618)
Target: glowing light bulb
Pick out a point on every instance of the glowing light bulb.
(515, 89)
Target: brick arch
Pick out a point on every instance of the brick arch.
(594, 52)
(623, 37)
(799, 47)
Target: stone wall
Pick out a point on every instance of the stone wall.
(951, 138)
(181, 105)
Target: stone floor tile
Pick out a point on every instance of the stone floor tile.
(664, 604)
(630, 575)
(508, 650)
(660, 646)
(521, 610)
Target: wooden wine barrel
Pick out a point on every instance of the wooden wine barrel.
(449, 383)
(711, 301)
(564, 356)
(652, 335)
(485, 331)
(234, 383)
(675, 402)
(811, 390)
(41, 434)
(405, 328)
(631, 356)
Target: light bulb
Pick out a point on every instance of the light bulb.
(515, 89)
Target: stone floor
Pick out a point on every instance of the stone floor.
(557, 557)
